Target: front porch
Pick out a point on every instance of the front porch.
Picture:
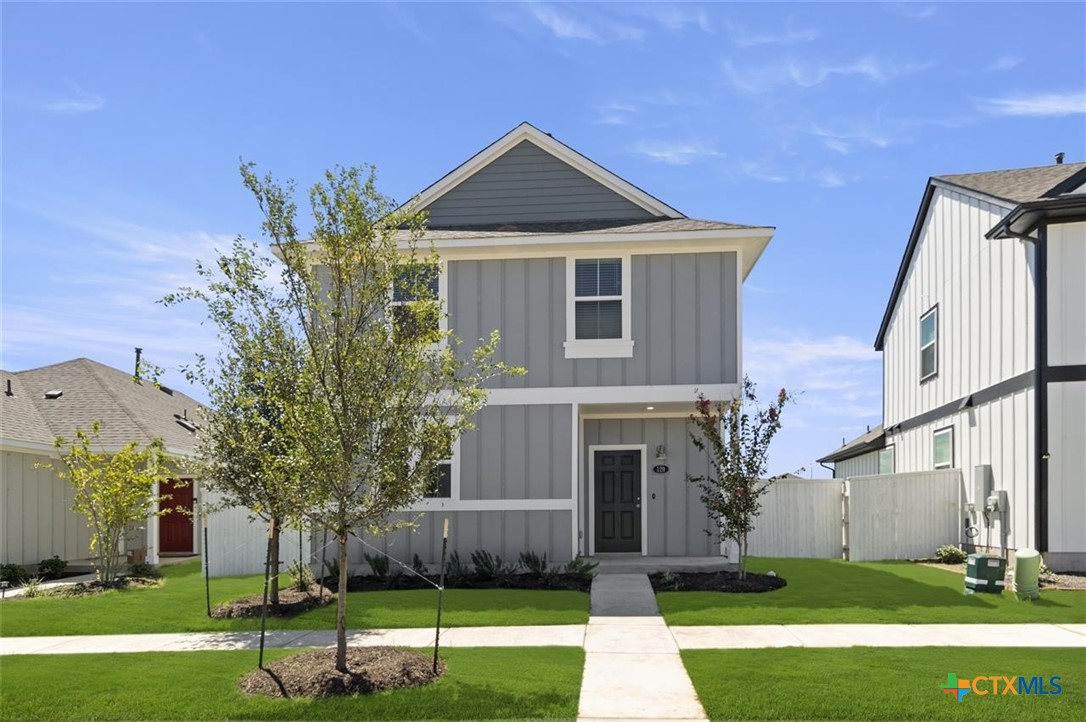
(634, 563)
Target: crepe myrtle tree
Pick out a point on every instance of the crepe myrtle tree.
(114, 492)
(246, 448)
(735, 435)
(386, 389)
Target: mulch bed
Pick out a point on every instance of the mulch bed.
(314, 674)
(570, 582)
(291, 603)
(83, 589)
(715, 582)
(1063, 580)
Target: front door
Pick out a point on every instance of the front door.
(175, 527)
(618, 501)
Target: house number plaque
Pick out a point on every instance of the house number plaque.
(660, 469)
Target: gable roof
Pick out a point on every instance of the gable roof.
(91, 391)
(1010, 187)
(872, 440)
(528, 132)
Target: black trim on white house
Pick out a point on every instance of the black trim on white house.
(994, 392)
(1040, 304)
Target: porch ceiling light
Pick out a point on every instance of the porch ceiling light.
(649, 408)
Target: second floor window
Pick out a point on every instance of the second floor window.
(598, 298)
(929, 344)
(442, 484)
(886, 460)
(414, 283)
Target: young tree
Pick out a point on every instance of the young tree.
(387, 389)
(113, 491)
(735, 435)
(245, 445)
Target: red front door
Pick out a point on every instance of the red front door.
(174, 527)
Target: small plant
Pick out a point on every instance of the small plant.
(144, 570)
(378, 563)
(670, 580)
(582, 568)
(488, 567)
(1044, 571)
(301, 576)
(52, 568)
(417, 565)
(33, 588)
(331, 569)
(13, 573)
(534, 564)
(950, 554)
(456, 571)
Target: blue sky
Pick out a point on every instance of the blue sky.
(123, 125)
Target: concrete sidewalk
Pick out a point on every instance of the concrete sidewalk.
(632, 667)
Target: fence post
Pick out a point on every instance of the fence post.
(441, 589)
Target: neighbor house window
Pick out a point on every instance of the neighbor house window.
(929, 344)
(445, 448)
(598, 308)
(442, 485)
(886, 460)
(414, 283)
(942, 442)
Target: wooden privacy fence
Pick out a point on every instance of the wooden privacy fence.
(865, 518)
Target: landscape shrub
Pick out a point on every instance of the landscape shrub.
(52, 568)
(13, 573)
(490, 567)
(582, 568)
(33, 588)
(378, 563)
(950, 554)
(301, 576)
(456, 571)
(144, 570)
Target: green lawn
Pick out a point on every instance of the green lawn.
(826, 591)
(479, 684)
(178, 606)
(881, 684)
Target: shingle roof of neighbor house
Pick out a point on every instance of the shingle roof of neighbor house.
(655, 225)
(90, 391)
(870, 441)
(1016, 186)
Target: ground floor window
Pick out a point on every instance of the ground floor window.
(943, 448)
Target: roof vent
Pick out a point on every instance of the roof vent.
(8, 391)
(1059, 157)
(54, 394)
(165, 389)
(183, 420)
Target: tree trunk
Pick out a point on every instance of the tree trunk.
(273, 550)
(742, 556)
(341, 607)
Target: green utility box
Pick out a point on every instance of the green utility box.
(984, 573)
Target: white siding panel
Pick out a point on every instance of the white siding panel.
(1066, 294)
(36, 516)
(237, 544)
(800, 518)
(862, 465)
(1066, 467)
(902, 516)
(985, 304)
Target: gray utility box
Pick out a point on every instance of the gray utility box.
(984, 573)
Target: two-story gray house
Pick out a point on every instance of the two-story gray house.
(620, 308)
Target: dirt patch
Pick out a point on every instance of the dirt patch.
(291, 603)
(314, 674)
(715, 582)
(570, 582)
(83, 589)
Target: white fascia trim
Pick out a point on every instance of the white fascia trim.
(525, 131)
(552, 395)
(28, 447)
(433, 505)
(592, 449)
(575, 460)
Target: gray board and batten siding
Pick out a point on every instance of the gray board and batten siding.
(676, 520)
(527, 184)
(683, 320)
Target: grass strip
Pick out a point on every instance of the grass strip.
(541, 682)
(830, 591)
(873, 683)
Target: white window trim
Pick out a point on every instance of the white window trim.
(934, 310)
(591, 483)
(442, 297)
(439, 503)
(946, 430)
(598, 348)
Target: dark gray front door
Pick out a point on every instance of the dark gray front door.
(618, 501)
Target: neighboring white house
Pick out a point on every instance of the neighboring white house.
(621, 309)
(866, 455)
(984, 356)
(39, 405)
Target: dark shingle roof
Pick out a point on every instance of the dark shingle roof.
(19, 417)
(1018, 185)
(129, 411)
(656, 225)
(869, 441)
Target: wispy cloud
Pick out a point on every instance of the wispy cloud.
(742, 37)
(913, 10)
(845, 141)
(675, 153)
(568, 21)
(614, 113)
(1046, 105)
(763, 170)
(671, 16)
(71, 104)
(560, 23)
(1005, 62)
(807, 74)
(829, 178)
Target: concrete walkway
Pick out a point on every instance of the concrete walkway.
(632, 667)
